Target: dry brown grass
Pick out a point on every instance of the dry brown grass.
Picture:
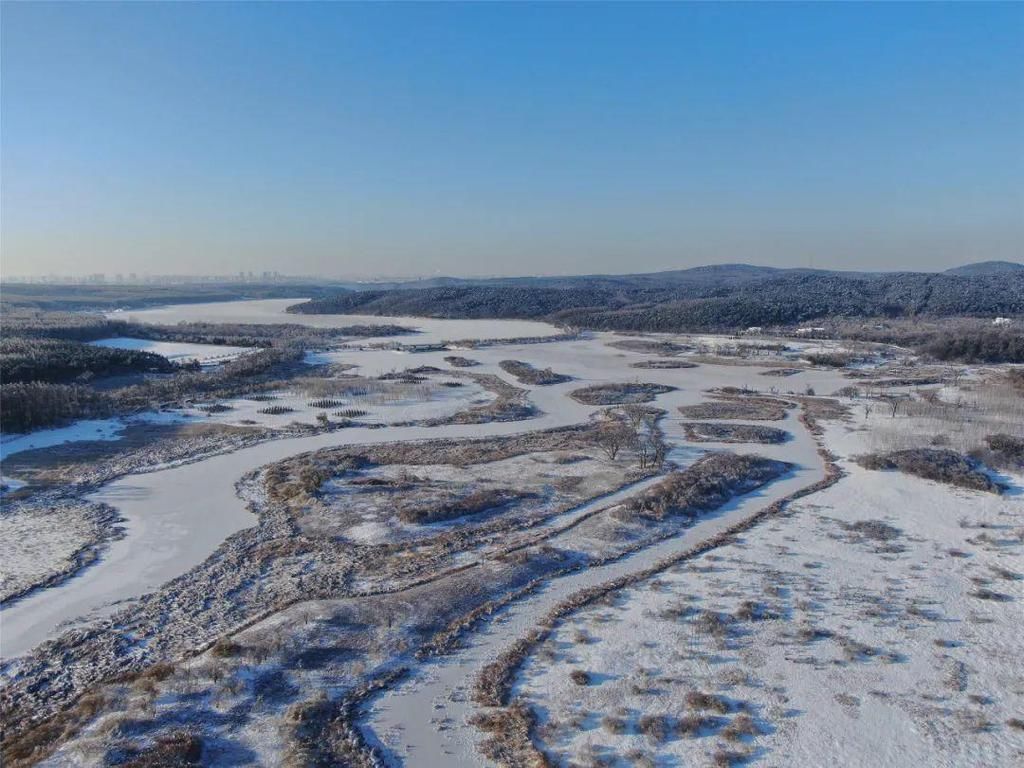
(619, 394)
(508, 742)
(704, 432)
(172, 750)
(755, 409)
(35, 744)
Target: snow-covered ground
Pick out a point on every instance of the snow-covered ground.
(179, 352)
(877, 625)
(178, 516)
(45, 542)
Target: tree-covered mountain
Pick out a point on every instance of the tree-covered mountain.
(735, 299)
(986, 268)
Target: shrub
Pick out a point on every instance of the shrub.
(693, 725)
(579, 677)
(939, 464)
(31, 746)
(1008, 450)
(830, 359)
(172, 750)
(350, 413)
(276, 410)
(873, 529)
(705, 485)
(726, 758)
(651, 346)
(756, 409)
(979, 346)
(984, 593)
(470, 504)
(706, 432)
(612, 724)
(742, 725)
(527, 374)
(654, 727)
(663, 364)
(460, 362)
(701, 700)
(619, 394)
(225, 648)
(751, 610)
(325, 403)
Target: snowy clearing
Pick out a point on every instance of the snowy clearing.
(862, 623)
(179, 352)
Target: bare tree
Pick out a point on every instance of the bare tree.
(636, 414)
(893, 403)
(649, 450)
(612, 438)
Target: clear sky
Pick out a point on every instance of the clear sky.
(395, 139)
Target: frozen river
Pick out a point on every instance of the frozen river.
(176, 517)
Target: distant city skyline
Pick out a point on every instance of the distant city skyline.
(358, 141)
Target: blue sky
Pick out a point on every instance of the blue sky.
(399, 139)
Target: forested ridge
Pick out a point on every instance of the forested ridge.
(700, 306)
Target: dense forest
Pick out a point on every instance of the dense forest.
(57, 360)
(993, 345)
(34, 405)
(25, 406)
(680, 306)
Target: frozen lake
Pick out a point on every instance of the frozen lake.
(257, 311)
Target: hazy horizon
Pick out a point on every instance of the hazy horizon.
(396, 140)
